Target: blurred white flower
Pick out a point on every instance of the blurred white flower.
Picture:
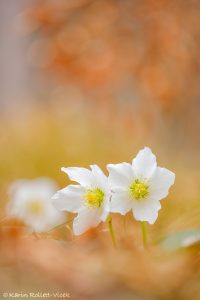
(31, 202)
(140, 186)
(90, 199)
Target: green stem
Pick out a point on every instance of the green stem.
(112, 233)
(144, 234)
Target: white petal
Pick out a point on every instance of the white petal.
(49, 218)
(45, 222)
(101, 180)
(97, 171)
(146, 210)
(106, 207)
(144, 164)
(104, 215)
(86, 219)
(69, 198)
(45, 187)
(80, 175)
(42, 188)
(53, 217)
(37, 225)
(120, 203)
(120, 175)
(160, 183)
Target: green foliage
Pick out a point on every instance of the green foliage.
(183, 239)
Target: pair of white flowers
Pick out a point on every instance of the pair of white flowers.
(138, 187)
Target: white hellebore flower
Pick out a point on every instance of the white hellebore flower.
(31, 203)
(139, 186)
(90, 199)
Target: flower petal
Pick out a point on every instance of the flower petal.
(101, 180)
(144, 164)
(45, 222)
(106, 207)
(40, 188)
(104, 215)
(121, 203)
(146, 210)
(160, 183)
(44, 187)
(86, 219)
(120, 175)
(54, 216)
(69, 198)
(80, 175)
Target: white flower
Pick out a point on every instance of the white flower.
(31, 203)
(140, 186)
(90, 199)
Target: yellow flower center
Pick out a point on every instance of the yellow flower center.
(94, 198)
(35, 207)
(139, 190)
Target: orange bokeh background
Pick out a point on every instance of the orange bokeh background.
(94, 81)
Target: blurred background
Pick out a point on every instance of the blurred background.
(93, 81)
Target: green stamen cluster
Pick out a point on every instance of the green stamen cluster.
(35, 207)
(94, 198)
(139, 190)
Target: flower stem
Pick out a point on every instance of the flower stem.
(144, 234)
(112, 233)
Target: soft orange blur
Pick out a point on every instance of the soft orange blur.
(94, 81)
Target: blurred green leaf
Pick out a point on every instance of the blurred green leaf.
(183, 239)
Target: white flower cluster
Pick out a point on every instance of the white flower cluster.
(138, 187)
